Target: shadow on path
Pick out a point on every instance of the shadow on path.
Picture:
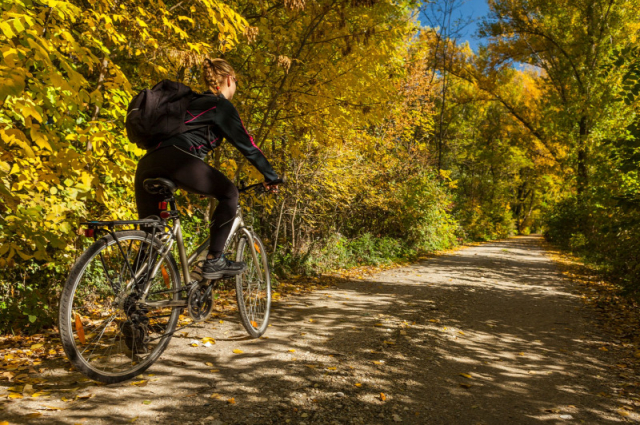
(488, 335)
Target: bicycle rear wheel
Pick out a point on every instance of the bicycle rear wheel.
(253, 286)
(106, 332)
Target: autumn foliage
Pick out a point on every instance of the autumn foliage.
(395, 139)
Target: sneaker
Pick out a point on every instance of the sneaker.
(221, 267)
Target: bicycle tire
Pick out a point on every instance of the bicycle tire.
(87, 291)
(252, 293)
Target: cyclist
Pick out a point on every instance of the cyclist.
(181, 159)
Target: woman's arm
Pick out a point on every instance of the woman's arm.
(229, 122)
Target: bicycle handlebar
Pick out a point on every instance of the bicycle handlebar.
(255, 187)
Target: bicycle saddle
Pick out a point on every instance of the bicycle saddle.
(159, 185)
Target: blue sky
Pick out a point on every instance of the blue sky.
(475, 9)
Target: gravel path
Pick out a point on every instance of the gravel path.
(490, 334)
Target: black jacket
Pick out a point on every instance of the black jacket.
(213, 118)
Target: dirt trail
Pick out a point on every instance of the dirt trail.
(488, 335)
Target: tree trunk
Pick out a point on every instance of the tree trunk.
(583, 174)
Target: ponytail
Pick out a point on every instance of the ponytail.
(214, 72)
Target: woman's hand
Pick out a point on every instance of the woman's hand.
(272, 186)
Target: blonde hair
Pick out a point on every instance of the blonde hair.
(214, 71)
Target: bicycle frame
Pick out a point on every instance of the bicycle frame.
(176, 236)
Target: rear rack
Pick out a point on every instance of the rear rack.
(113, 223)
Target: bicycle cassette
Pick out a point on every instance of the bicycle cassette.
(200, 301)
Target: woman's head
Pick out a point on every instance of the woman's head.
(220, 77)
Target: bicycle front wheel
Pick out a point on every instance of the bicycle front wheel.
(253, 286)
(106, 331)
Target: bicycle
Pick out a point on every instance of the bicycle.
(124, 295)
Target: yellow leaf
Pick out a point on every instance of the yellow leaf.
(15, 395)
(378, 325)
(209, 364)
(34, 415)
(311, 320)
(383, 397)
(215, 395)
(194, 344)
(254, 323)
(237, 351)
(88, 396)
(378, 362)
(466, 375)
(292, 351)
(214, 370)
(39, 394)
(358, 385)
(332, 368)
(231, 401)
(141, 383)
(389, 342)
(34, 347)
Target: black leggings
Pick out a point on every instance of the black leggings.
(192, 174)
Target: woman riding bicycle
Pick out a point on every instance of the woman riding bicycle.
(181, 160)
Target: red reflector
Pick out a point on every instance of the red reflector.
(165, 214)
(162, 205)
(89, 232)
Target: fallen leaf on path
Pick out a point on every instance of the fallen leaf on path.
(231, 401)
(52, 408)
(466, 386)
(311, 320)
(146, 402)
(383, 397)
(237, 351)
(88, 396)
(35, 347)
(133, 419)
(214, 370)
(40, 394)
(332, 368)
(34, 415)
(358, 385)
(378, 325)
(378, 362)
(292, 351)
(390, 342)
(139, 383)
(466, 375)
(209, 364)
(215, 396)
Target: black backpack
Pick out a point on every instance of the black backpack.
(157, 114)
